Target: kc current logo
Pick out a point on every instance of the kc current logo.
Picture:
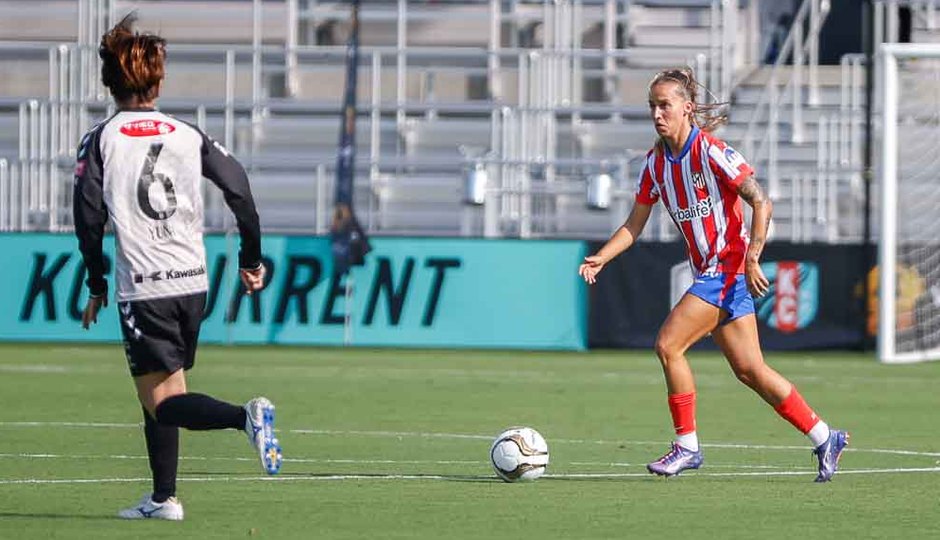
(793, 300)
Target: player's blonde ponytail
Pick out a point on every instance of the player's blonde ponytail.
(707, 116)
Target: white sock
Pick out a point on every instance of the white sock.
(688, 441)
(819, 434)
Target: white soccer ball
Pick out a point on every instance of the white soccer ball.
(519, 454)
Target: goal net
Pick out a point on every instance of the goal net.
(909, 248)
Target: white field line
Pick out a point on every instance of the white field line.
(713, 379)
(435, 435)
(384, 477)
(115, 457)
(111, 457)
(710, 465)
(37, 368)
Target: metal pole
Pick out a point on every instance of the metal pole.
(228, 131)
(830, 192)
(814, 13)
(291, 80)
(493, 60)
(61, 97)
(891, 21)
(20, 180)
(729, 9)
(24, 131)
(610, 66)
(822, 169)
(773, 185)
(321, 225)
(375, 117)
(868, 256)
(33, 155)
(5, 202)
(753, 33)
(714, 45)
(53, 103)
(797, 84)
(41, 161)
(888, 243)
(402, 73)
(256, 15)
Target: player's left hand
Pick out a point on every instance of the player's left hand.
(253, 280)
(757, 282)
(90, 315)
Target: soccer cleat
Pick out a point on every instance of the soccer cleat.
(675, 461)
(828, 454)
(171, 509)
(259, 426)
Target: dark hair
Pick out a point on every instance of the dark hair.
(707, 116)
(131, 63)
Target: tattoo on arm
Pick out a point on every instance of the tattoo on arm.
(751, 192)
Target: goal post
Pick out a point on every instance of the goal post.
(909, 237)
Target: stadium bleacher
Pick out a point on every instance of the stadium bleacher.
(555, 95)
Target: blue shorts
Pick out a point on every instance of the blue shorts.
(726, 291)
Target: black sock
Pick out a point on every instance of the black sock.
(163, 452)
(200, 412)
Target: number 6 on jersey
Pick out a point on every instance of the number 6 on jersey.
(147, 178)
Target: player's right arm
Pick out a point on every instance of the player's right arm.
(90, 214)
(619, 242)
(647, 194)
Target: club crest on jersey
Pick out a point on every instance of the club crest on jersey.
(146, 128)
(698, 180)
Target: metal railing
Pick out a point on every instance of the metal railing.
(812, 14)
(528, 176)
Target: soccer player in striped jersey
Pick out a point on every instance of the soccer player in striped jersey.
(701, 181)
(143, 171)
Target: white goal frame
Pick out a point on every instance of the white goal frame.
(889, 53)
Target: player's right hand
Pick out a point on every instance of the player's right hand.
(253, 280)
(589, 269)
(90, 315)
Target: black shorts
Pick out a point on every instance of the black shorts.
(161, 334)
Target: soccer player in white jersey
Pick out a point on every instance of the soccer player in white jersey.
(143, 170)
(701, 181)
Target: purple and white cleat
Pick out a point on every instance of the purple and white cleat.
(829, 452)
(675, 461)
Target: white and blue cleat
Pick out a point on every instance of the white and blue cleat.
(829, 453)
(259, 426)
(170, 510)
(675, 461)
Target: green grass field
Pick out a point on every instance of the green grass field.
(393, 444)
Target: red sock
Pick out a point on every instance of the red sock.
(682, 407)
(795, 410)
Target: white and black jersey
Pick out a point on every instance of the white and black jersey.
(143, 170)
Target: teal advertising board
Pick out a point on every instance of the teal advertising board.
(423, 292)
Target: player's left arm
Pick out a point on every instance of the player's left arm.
(754, 195)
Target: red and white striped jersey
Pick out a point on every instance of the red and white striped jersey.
(699, 189)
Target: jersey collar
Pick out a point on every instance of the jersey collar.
(685, 149)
